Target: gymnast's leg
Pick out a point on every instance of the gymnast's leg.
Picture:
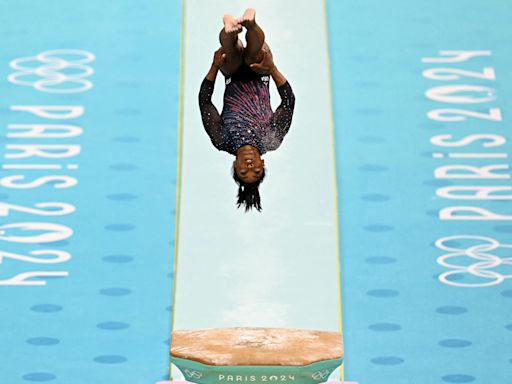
(255, 37)
(231, 45)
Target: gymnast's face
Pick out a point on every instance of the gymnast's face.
(248, 164)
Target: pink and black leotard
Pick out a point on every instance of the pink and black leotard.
(247, 116)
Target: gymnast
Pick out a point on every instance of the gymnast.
(247, 128)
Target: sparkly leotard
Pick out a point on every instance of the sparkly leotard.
(247, 116)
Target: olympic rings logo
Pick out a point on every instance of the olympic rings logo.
(53, 72)
(321, 375)
(193, 374)
(482, 268)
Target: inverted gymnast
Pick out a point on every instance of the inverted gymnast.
(247, 127)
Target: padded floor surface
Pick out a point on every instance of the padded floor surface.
(420, 93)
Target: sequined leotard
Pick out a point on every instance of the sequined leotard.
(247, 116)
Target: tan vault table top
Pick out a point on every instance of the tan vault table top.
(256, 346)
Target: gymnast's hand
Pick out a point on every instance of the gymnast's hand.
(219, 57)
(266, 65)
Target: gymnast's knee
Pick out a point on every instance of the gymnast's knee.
(251, 59)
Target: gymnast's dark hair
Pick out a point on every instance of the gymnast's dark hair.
(248, 193)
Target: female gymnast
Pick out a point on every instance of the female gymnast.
(247, 128)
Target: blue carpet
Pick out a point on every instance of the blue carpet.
(402, 324)
(105, 316)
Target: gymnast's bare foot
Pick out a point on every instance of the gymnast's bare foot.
(248, 19)
(231, 25)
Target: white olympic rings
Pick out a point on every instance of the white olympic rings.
(193, 374)
(50, 69)
(321, 375)
(481, 268)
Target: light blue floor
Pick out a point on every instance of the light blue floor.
(108, 320)
(401, 324)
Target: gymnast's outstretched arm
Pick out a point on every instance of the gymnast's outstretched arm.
(209, 113)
